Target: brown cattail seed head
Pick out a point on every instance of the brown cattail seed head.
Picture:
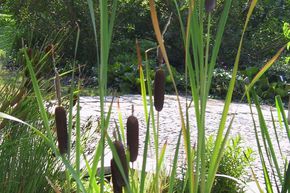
(61, 129)
(122, 156)
(159, 89)
(210, 5)
(115, 177)
(30, 53)
(133, 137)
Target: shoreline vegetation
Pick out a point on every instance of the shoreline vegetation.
(46, 152)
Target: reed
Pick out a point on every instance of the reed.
(159, 89)
(120, 181)
(61, 129)
(133, 137)
(115, 176)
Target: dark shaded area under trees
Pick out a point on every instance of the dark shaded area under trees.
(39, 22)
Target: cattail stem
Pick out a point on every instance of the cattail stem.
(57, 87)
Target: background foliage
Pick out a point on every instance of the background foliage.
(263, 38)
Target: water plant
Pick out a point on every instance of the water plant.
(201, 52)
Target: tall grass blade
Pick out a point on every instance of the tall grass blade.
(93, 18)
(267, 181)
(286, 185)
(265, 68)
(213, 167)
(280, 105)
(265, 133)
(144, 162)
(174, 167)
(276, 133)
(142, 82)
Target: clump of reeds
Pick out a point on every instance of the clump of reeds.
(133, 137)
(159, 89)
(117, 178)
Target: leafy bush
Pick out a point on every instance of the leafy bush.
(273, 82)
(220, 84)
(233, 163)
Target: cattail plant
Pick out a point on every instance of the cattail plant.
(133, 137)
(60, 118)
(159, 89)
(61, 129)
(120, 181)
(210, 5)
(115, 177)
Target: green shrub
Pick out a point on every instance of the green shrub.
(233, 163)
(220, 84)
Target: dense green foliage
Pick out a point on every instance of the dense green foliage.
(264, 37)
(233, 164)
(203, 162)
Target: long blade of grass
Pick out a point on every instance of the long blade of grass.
(38, 96)
(278, 112)
(100, 148)
(254, 175)
(144, 162)
(213, 167)
(142, 82)
(78, 140)
(93, 18)
(39, 133)
(162, 153)
(121, 122)
(265, 132)
(174, 167)
(218, 39)
(265, 170)
(276, 133)
(286, 185)
(265, 68)
(94, 185)
(280, 105)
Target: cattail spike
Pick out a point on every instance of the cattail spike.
(133, 137)
(61, 129)
(159, 89)
(122, 156)
(210, 5)
(115, 177)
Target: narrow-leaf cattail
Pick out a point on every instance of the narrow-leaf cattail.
(210, 5)
(61, 129)
(133, 137)
(115, 177)
(122, 156)
(159, 89)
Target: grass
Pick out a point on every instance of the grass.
(200, 60)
